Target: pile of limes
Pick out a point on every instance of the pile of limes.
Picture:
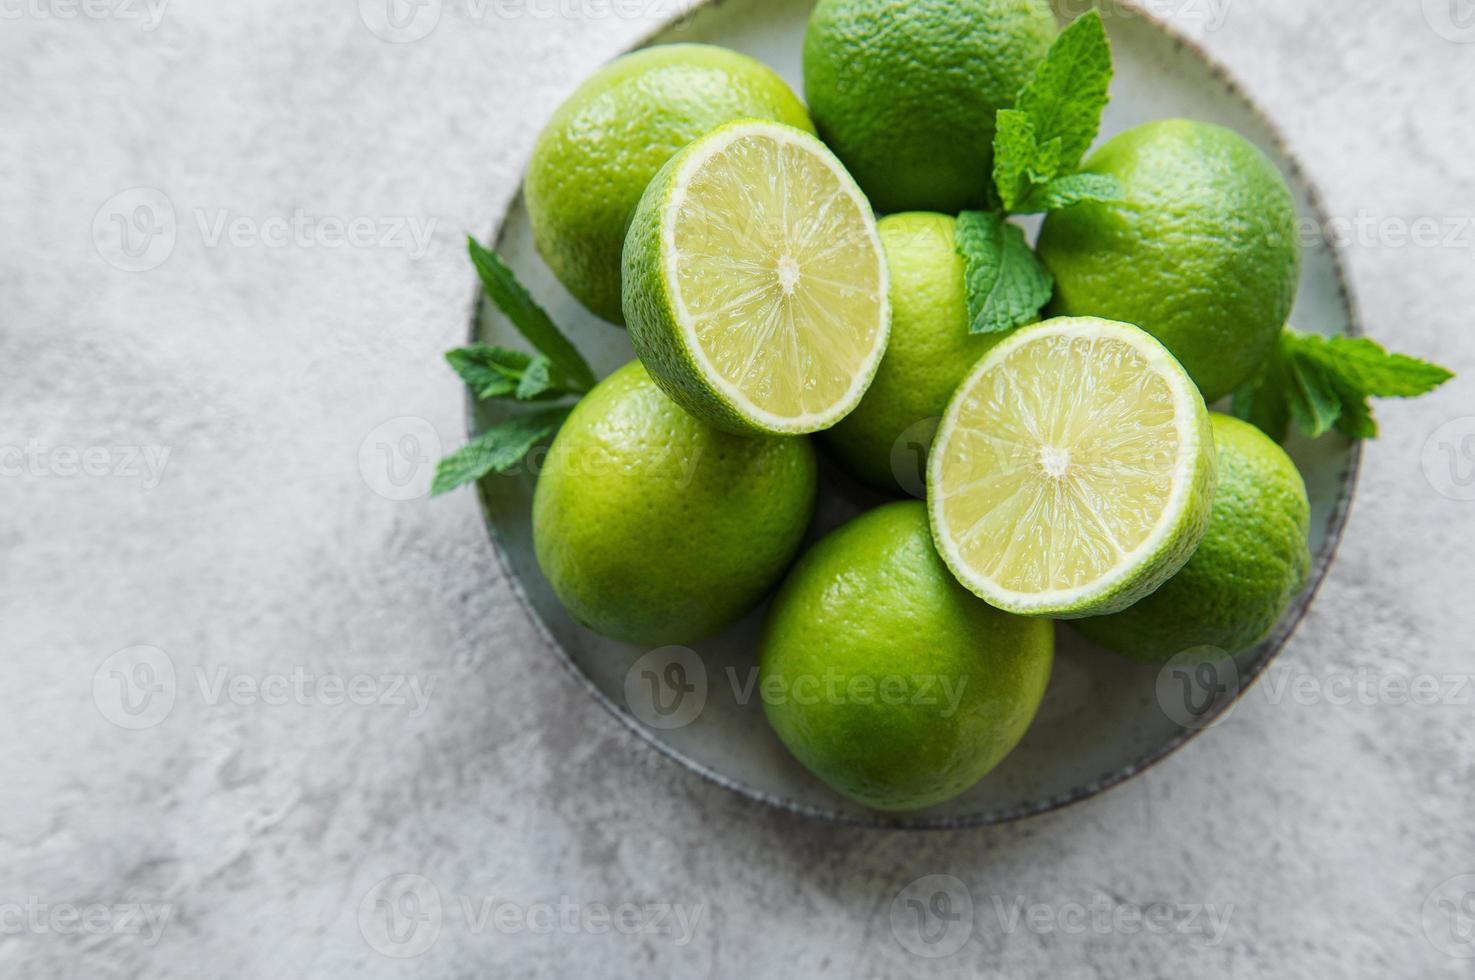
(1074, 470)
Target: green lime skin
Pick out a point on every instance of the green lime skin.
(1252, 564)
(1201, 252)
(884, 441)
(654, 528)
(906, 93)
(603, 145)
(885, 677)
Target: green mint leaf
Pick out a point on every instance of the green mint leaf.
(1062, 192)
(1021, 165)
(490, 372)
(537, 380)
(1046, 163)
(1069, 91)
(496, 450)
(1263, 401)
(1363, 366)
(1356, 420)
(1015, 151)
(1006, 284)
(497, 372)
(1315, 404)
(1322, 383)
(528, 317)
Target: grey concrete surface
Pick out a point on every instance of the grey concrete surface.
(183, 471)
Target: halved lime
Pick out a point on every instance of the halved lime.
(1074, 470)
(754, 284)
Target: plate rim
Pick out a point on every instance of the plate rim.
(1274, 645)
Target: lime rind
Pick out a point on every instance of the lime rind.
(659, 314)
(1174, 535)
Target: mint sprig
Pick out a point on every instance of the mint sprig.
(1065, 99)
(1005, 283)
(1320, 383)
(497, 372)
(557, 371)
(1039, 144)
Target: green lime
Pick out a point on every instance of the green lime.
(906, 93)
(1252, 563)
(886, 678)
(755, 285)
(1073, 472)
(653, 528)
(885, 439)
(604, 144)
(1201, 252)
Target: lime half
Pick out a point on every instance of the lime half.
(1074, 470)
(754, 284)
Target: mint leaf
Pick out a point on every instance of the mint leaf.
(1325, 382)
(490, 372)
(1263, 401)
(1015, 151)
(1366, 367)
(1039, 143)
(536, 380)
(1314, 402)
(1006, 284)
(1021, 163)
(497, 372)
(1046, 163)
(1062, 192)
(1065, 99)
(528, 317)
(1356, 420)
(496, 450)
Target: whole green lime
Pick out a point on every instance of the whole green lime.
(906, 93)
(655, 528)
(603, 145)
(1201, 252)
(884, 440)
(888, 679)
(1252, 563)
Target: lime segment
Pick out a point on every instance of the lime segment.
(1074, 470)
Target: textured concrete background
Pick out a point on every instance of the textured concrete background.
(191, 810)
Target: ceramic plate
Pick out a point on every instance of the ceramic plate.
(1103, 719)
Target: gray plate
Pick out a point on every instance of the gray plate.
(1103, 719)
